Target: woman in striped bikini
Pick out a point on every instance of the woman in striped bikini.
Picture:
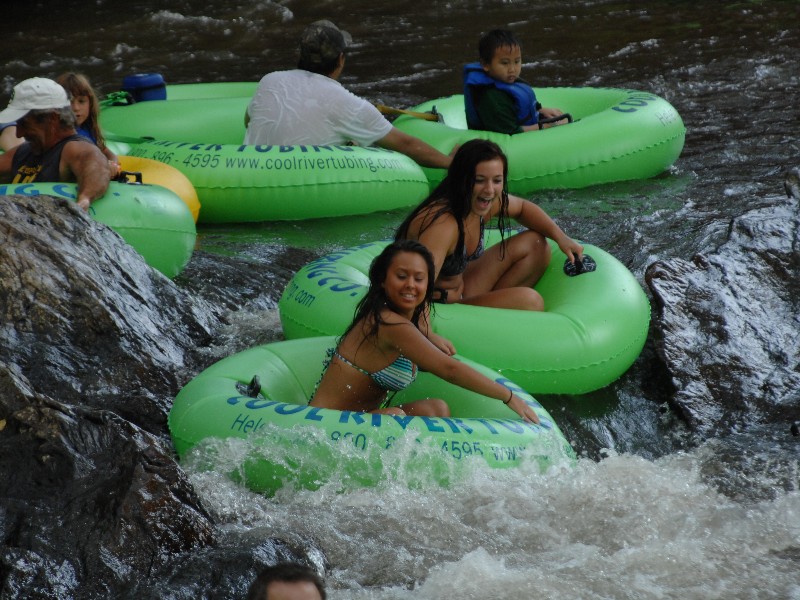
(390, 339)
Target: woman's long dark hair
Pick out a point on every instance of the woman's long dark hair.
(454, 193)
(370, 307)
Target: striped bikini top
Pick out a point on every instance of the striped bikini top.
(392, 378)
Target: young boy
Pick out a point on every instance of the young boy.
(495, 98)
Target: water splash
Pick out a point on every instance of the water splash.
(623, 527)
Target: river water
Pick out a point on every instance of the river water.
(653, 509)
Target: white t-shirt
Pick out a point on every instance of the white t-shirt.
(298, 107)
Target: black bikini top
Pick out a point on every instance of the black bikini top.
(456, 263)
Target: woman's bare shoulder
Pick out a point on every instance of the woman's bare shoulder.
(436, 215)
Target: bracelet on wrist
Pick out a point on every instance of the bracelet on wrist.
(510, 395)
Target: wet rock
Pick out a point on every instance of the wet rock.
(236, 282)
(90, 501)
(791, 183)
(236, 561)
(246, 286)
(727, 323)
(744, 466)
(86, 320)
(94, 345)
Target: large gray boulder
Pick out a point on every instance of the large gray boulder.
(94, 345)
(728, 321)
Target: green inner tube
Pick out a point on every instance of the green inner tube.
(199, 130)
(276, 440)
(593, 328)
(616, 135)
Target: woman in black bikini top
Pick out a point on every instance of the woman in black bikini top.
(456, 263)
(451, 220)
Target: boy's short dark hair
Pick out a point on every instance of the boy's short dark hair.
(289, 572)
(494, 39)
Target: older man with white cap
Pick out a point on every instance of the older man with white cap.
(308, 105)
(53, 151)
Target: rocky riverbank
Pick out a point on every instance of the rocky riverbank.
(94, 344)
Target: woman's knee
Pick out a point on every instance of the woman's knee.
(440, 407)
(528, 299)
(430, 407)
(531, 244)
(391, 410)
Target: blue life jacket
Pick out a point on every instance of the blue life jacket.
(522, 94)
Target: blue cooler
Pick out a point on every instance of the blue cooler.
(145, 86)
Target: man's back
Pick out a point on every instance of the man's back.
(298, 107)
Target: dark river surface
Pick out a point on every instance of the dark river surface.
(656, 508)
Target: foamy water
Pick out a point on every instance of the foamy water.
(624, 527)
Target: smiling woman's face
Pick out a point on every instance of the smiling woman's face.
(406, 281)
(488, 185)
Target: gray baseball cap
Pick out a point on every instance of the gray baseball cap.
(322, 42)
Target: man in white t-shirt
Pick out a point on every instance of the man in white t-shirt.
(308, 105)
